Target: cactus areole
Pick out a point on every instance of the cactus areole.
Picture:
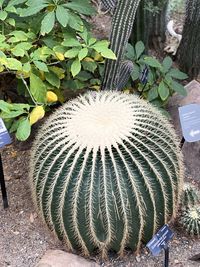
(106, 172)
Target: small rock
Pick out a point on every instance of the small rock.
(58, 258)
(137, 258)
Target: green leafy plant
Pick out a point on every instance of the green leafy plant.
(47, 47)
(162, 78)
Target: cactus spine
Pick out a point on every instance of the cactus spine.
(122, 24)
(106, 172)
(190, 220)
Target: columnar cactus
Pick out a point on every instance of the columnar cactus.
(106, 172)
(122, 24)
(190, 219)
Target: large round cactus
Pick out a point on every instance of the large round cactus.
(106, 172)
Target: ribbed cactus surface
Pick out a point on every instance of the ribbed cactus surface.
(106, 172)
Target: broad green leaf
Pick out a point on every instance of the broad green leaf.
(48, 23)
(75, 67)
(84, 76)
(72, 52)
(41, 66)
(102, 48)
(89, 66)
(20, 106)
(12, 114)
(139, 49)
(11, 21)
(152, 93)
(99, 46)
(24, 45)
(135, 73)
(108, 53)
(53, 79)
(179, 88)
(23, 130)
(15, 125)
(16, 2)
(3, 15)
(92, 41)
(13, 64)
(38, 88)
(59, 49)
(75, 22)
(27, 67)
(152, 62)
(18, 52)
(84, 8)
(2, 38)
(60, 72)
(130, 54)
(32, 10)
(10, 9)
(19, 36)
(70, 42)
(163, 91)
(82, 53)
(1, 3)
(74, 84)
(177, 74)
(4, 106)
(62, 15)
(167, 64)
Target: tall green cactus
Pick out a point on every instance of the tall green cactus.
(150, 24)
(106, 172)
(122, 24)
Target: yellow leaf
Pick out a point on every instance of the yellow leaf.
(1, 68)
(60, 56)
(127, 91)
(3, 60)
(36, 114)
(23, 73)
(96, 87)
(98, 57)
(88, 59)
(51, 97)
(59, 71)
(42, 75)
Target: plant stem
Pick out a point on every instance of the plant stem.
(25, 83)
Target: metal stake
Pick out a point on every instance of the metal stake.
(3, 186)
(166, 256)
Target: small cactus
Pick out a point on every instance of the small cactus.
(190, 220)
(106, 172)
(190, 195)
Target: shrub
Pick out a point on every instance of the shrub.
(47, 46)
